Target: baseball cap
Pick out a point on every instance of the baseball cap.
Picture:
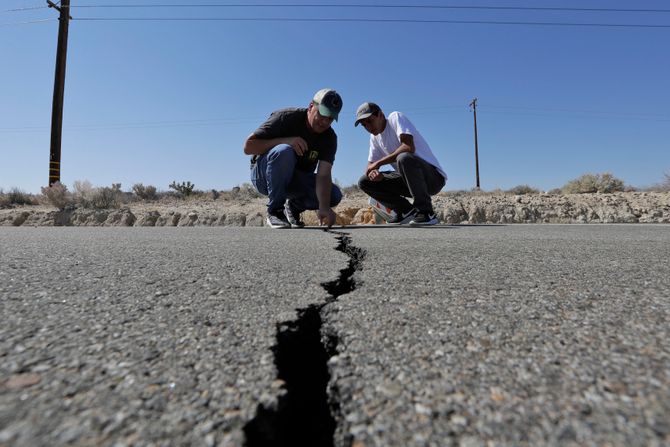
(365, 110)
(329, 102)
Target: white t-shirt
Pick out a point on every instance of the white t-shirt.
(389, 140)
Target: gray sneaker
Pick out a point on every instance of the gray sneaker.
(424, 218)
(276, 219)
(402, 218)
(293, 216)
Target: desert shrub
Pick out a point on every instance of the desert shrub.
(17, 197)
(145, 192)
(57, 195)
(183, 188)
(106, 197)
(245, 191)
(83, 193)
(523, 189)
(591, 183)
(663, 186)
(555, 191)
(248, 190)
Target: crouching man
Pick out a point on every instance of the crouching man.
(417, 173)
(287, 149)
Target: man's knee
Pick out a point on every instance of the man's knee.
(364, 183)
(406, 158)
(282, 153)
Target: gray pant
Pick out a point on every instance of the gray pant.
(415, 178)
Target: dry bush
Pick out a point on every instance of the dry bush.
(523, 189)
(106, 197)
(83, 193)
(57, 195)
(145, 192)
(591, 183)
(664, 186)
(244, 192)
(16, 197)
(666, 183)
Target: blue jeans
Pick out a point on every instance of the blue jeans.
(275, 175)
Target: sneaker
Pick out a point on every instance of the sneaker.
(276, 219)
(402, 218)
(424, 218)
(293, 216)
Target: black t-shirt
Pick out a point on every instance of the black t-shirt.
(293, 123)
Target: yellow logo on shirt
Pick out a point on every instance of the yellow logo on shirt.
(313, 155)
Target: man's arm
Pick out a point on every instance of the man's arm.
(259, 146)
(406, 145)
(324, 185)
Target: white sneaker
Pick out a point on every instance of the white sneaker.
(277, 219)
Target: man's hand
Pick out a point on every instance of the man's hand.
(373, 167)
(375, 175)
(326, 217)
(298, 144)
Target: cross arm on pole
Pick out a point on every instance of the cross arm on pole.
(57, 8)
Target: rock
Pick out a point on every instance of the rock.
(451, 208)
(121, 218)
(235, 220)
(169, 220)
(20, 218)
(364, 216)
(22, 381)
(255, 220)
(453, 213)
(188, 220)
(149, 219)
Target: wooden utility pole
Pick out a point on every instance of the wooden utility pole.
(59, 90)
(473, 104)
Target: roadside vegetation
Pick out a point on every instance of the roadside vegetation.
(663, 186)
(85, 195)
(592, 183)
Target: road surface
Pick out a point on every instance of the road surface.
(364, 336)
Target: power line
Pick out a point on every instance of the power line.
(486, 109)
(27, 23)
(295, 5)
(28, 8)
(340, 6)
(356, 20)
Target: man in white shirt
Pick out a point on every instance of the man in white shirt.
(417, 173)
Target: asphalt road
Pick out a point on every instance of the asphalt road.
(454, 335)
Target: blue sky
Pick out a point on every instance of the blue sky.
(156, 101)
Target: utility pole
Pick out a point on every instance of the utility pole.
(59, 90)
(473, 104)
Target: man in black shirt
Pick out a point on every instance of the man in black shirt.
(287, 149)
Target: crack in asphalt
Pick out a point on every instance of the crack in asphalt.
(304, 413)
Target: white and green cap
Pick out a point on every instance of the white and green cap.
(329, 102)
